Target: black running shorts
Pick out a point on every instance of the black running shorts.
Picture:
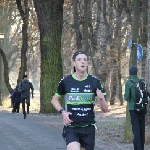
(84, 135)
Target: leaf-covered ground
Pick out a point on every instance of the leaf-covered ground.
(110, 134)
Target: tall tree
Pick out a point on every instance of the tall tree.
(120, 5)
(6, 70)
(5, 25)
(85, 26)
(148, 57)
(143, 30)
(24, 12)
(133, 61)
(76, 25)
(50, 21)
(114, 54)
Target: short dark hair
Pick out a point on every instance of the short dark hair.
(24, 76)
(77, 53)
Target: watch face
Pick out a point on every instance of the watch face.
(61, 111)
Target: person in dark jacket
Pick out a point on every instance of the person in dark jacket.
(17, 99)
(137, 120)
(13, 101)
(24, 87)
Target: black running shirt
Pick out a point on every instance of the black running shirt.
(79, 96)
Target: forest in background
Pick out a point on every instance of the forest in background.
(100, 27)
(40, 37)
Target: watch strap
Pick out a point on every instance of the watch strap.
(61, 110)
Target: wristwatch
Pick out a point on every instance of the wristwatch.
(61, 110)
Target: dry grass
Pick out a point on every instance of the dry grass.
(34, 104)
(147, 134)
(111, 124)
(6, 102)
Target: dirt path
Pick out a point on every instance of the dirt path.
(110, 126)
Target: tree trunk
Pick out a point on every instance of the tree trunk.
(133, 60)
(119, 10)
(77, 25)
(50, 21)
(135, 32)
(6, 71)
(25, 18)
(148, 58)
(5, 45)
(85, 26)
(128, 136)
(143, 35)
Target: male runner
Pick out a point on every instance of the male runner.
(79, 90)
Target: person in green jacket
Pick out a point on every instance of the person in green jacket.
(137, 120)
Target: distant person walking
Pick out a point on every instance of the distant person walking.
(137, 118)
(13, 101)
(17, 99)
(24, 87)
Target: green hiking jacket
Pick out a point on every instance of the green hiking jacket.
(130, 91)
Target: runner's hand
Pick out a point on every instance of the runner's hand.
(100, 94)
(66, 119)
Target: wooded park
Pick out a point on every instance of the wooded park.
(38, 38)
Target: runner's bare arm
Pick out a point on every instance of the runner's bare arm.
(55, 102)
(65, 114)
(102, 102)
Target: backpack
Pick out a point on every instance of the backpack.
(141, 96)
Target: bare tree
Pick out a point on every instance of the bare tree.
(24, 12)
(133, 61)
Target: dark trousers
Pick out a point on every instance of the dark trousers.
(13, 105)
(25, 100)
(138, 128)
(16, 107)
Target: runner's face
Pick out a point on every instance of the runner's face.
(80, 63)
